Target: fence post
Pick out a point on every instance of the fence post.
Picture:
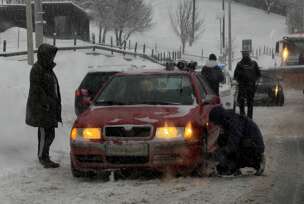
(161, 57)
(4, 45)
(135, 49)
(93, 39)
(125, 46)
(112, 45)
(54, 39)
(129, 44)
(152, 54)
(144, 49)
(169, 55)
(75, 40)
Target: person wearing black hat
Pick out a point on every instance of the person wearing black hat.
(246, 73)
(213, 74)
(43, 109)
(241, 145)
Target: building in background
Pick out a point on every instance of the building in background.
(64, 18)
(295, 16)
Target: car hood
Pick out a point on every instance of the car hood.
(139, 115)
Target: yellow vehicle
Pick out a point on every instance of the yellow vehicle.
(291, 50)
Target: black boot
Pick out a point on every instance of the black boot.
(47, 163)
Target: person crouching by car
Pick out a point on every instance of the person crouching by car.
(43, 109)
(241, 145)
(213, 74)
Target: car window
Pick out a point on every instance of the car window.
(163, 89)
(93, 81)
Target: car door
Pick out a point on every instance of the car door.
(212, 131)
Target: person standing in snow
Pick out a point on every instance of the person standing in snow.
(213, 73)
(246, 73)
(240, 146)
(43, 109)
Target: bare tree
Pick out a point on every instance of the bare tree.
(130, 16)
(181, 22)
(269, 4)
(102, 12)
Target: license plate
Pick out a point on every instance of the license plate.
(127, 150)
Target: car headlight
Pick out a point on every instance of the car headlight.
(276, 90)
(170, 132)
(86, 133)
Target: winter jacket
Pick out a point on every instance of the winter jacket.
(247, 73)
(240, 131)
(213, 75)
(43, 107)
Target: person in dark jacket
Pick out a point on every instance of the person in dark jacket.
(213, 73)
(43, 109)
(246, 73)
(241, 145)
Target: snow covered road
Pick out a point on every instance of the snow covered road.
(23, 180)
(282, 182)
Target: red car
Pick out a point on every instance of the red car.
(154, 119)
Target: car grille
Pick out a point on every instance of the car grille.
(89, 158)
(128, 131)
(127, 159)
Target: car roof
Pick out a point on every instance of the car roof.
(153, 72)
(117, 68)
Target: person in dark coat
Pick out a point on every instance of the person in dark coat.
(246, 73)
(213, 73)
(43, 109)
(241, 145)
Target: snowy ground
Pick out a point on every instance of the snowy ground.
(23, 180)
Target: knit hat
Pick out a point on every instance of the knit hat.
(212, 57)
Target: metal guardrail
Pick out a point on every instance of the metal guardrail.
(94, 47)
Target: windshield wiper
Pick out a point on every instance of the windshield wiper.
(109, 103)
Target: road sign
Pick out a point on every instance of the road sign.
(247, 45)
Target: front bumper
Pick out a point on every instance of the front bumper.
(92, 156)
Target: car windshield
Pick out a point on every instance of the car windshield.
(147, 89)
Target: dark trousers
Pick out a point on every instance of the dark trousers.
(246, 96)
(46, 137)
(245, 157)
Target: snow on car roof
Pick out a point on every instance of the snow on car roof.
(121, 68)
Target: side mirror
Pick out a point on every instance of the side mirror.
(84, 92)
(87, 101)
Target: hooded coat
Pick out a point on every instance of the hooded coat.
(43, 108)
(213, 74)
(241, 132)
(247, 73)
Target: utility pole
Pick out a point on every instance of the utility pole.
(223, 25)
(229, 37)
(38, 23)
(193, 21)
(29, 26)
